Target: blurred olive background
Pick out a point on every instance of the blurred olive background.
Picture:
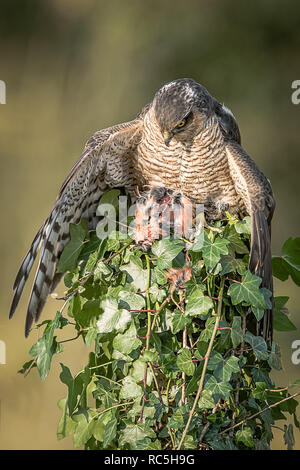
(74, 66)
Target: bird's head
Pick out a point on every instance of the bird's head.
(182, 109)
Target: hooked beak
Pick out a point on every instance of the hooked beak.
(167, 137)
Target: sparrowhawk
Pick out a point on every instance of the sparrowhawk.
(184, 140)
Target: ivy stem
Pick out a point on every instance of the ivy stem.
(207, 355)
(148, 303)
(184, 344)
(259, 412)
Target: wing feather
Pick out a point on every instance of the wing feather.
(256, 193)
(78, 197)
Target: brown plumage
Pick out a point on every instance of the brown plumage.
(185, 140)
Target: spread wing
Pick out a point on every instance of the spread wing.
(105, 163)
(256, 192)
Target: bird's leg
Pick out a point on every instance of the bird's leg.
(203, 223)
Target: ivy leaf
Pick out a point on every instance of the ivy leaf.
(291, 252)
(46, 347)
(245, 436)
(218, 389)
(236, 332)
(149, 356)
(136, 273)
(112, 317)
(178, 321)
(148, 444)
(280, 268)
(130, 300)
(212, 250)
(130, 389)
(288, 436)
(110, 432)
(110, 197)
(66, 425)
(84, 428)
(71, 252)
(289, 263)
(73, 389)
(166, 251)
(198, 304)
(274, 360)
(247, 291)
(236, 243)
(226, 368)
(176, 421)
(133, 433)
(244, 226)
(229, 263)
(258, 344)
(260, 391)
(128, 341)
(206, 400)
(281, 320)
(88, 311)
(184, 361)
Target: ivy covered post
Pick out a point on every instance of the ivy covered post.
(176, 363)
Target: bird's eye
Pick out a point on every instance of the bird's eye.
(181, 124)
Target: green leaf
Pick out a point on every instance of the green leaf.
(247, 291)
(229, 264)
(84, 428)
(236, 243)
(226, 368)
(133, 433)
(112, 317)
(149, 356)
(131, 301)
(212, 250)
(128, 341)
(71, 252)
(291, 252)
(66, 425)
(218, 389)
(178, 321)
(136, 273)
(190, 442)
(147, 444)
(206, 400)
(74, 387)
(245, 436)
(166, 251)
(244, 226)
(274, 360)
(260, 392)
(111, 197)
(89, 310)
(280, 268)
(258, 344)
(110, 432)
(184, 361)
(46, 347)
(198, 303)
(288, 436)
(236, 331)
(176, 421)
(281, 320)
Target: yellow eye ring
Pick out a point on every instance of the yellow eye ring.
(181, 124)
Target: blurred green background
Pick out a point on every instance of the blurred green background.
(74, 66)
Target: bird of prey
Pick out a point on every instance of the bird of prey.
(184, 140)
